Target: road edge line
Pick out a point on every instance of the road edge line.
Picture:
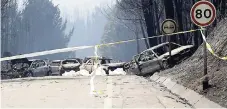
(186, 93)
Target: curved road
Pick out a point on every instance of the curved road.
(112, 92)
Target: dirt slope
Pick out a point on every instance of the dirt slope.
(190, 72)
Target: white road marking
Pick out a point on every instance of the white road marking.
(108, 99)
(92, 85)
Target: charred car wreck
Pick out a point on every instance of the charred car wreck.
(150, 61)
(104, 62)
(69, 65)
(16, 68)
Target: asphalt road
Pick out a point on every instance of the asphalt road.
(112, 92)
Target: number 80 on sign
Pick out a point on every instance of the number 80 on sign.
(203, 13)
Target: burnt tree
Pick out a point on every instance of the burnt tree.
(149, 19)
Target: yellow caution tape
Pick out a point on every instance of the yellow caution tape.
(85, 47)
(209, 48)
(45, 53)
(132, 40)
(94, 73)
(100, 92)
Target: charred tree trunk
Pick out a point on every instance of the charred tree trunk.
(143, 33)
(147, 11)
(223, 8)
(178, 4)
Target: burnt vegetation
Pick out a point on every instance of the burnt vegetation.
(143, 18)
(37, 26)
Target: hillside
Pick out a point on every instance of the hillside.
(190, 72)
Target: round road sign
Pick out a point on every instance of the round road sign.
(203, 13)
(169, 26)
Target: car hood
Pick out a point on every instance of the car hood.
(114, 64)
(71, 65)
(176, 51)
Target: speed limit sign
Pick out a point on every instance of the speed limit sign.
(203, 13)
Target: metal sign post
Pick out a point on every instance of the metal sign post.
(206, 79)
(169, 26)
(170, 49)
(203, 13)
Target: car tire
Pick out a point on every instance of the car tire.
(29, 74)
(61, 72)
(165, 65)
(107, 71)
(48, 73)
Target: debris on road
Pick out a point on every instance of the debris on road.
(99, 71)
(118, 71)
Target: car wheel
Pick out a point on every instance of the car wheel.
(29, 74)
(48, 73)
(165, 65)
(107, 71)
(61, 72)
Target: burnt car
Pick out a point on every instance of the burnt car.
(39, 68)
(114, 65)
(55, 67)
(70, 64)
(16, 68)
(150, 61)
(131, 66)
(89, 62)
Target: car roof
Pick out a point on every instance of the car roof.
(99, 57)
(34, 59)
(160, 45)
(56, 60)
(21, 60)
(72, 59)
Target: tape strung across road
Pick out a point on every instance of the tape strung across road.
(45, 53)
(92, 90)
(209, 48)
(86, 47)
(93, 74)
(108, 99)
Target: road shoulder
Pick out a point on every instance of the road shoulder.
(197, 100)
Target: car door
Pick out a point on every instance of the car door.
(142, 63)
(134, 67)
(34, 68)
(45, 67)
(149, 63)
(89, 65)
(40, 69)
(55, 67)
(154, 61)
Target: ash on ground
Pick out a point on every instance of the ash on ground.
(190, 72)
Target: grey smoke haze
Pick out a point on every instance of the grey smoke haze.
(85, 17)
(88, 32)
(89, 22)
